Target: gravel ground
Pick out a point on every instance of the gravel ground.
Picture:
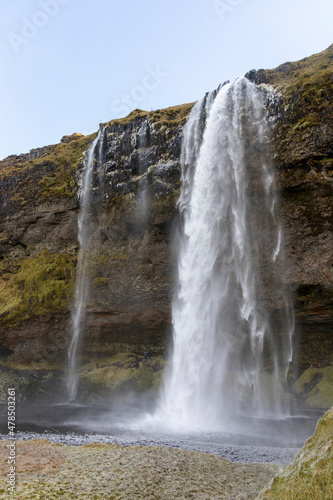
(206, 444)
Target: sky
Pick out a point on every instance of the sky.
(68, 65)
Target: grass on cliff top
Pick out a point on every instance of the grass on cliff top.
(307, 90)
(52, 174)
(307, 86)
(101, 471)
(39, 285)
(66, 157)
(293, 76)
(66, 153)
(310, 475)
(172, 116)
(55, 169)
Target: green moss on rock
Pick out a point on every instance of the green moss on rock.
(35, 286)
(172, 116)
(306, 88)
(100, 282)
(34, 382)
(310, 475)
(315, 387)
(123, 372)
(51, 175)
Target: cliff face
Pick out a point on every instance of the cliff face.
(303, 148)
(132, 264)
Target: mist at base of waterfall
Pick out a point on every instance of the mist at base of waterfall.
(126, 422)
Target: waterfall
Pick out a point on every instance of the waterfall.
(142, 193)
(93, 160)
(230, 351)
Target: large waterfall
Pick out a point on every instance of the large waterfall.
(93, 160)
(232, 322)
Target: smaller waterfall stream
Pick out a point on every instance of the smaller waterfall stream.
(93, 159)
(229, 269)
(142, 195)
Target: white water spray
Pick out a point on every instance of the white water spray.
(92, 160)
(229, 269)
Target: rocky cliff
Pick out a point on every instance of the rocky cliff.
(132, 265)
(303, 149)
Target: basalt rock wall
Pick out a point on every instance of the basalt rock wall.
(132, 262)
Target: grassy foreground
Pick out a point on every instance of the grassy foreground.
(106, 471)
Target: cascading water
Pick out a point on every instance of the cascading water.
(142, 195)
(93, 159)
(229, 357)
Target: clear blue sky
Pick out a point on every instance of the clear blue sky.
(67, 65)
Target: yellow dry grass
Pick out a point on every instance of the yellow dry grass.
(99, 471)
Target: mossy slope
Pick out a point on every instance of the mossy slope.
(310, 475)
(50, 173)
(304, 133)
